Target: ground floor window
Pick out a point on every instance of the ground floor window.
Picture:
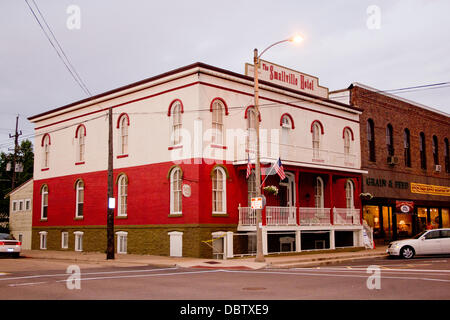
(43, 240)
(122, 238)
(78, 241)
(64, 240)
(445, 218)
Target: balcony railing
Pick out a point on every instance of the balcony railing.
(345, 216)
(315, 216)
(287, 216)
(281, 216)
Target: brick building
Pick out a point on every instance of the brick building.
(180, 179)
(405, 149)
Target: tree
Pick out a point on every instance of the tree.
(25, 156)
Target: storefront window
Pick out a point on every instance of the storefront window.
(404, 224)
(372, 217)
(421, 219)
(387, 222)
(434, 218)
(445, 218)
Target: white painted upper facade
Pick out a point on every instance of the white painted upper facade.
(147, 106)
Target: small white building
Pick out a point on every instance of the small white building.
(21, 213)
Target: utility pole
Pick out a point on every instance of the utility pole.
(16, 150)
(111, 201)
(259, 246)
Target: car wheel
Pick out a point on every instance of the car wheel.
(407, 252)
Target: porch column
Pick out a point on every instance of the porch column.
(297, 197)
(229, 245)
(264, 241)
(330, 192)
(298, 241)
(332, 242)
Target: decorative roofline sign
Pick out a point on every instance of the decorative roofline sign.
(288, 78)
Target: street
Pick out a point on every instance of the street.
(426, 278)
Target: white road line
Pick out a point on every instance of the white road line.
(84, 273)
(24, 284)
(335, 275)
(382, 269)
(141, 275)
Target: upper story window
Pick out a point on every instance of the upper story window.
(123, 124)
(45, 150)
(407, 147)
(44, 201)
(435, 150)
(390, 140)
(122, 195)
(446, 155)
(371, 139)
(79, 187)
(251, 128)
(218, 110)
(316, 130)
(348, 137)
(349, 194)
(251, 187)
(319, 196)
(423, 151)
(219, 189)
(176, 111)
(80, 136)
(175, 191)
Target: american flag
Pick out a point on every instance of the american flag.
(249, 167)
(278, 166)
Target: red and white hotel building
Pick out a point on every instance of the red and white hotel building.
(180, 160)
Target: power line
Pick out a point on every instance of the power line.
(66, 62)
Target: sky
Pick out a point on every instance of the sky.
(110, 43)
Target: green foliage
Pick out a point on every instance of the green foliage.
(25, 156)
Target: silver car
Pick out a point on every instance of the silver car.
(9, 245)
(436, 241)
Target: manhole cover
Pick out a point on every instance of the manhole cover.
(254, 288)
(212, 262)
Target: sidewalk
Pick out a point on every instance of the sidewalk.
(303, 259)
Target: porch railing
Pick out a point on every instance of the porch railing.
(287, 216)
(314, 216)
(346, 216)
(281, 216)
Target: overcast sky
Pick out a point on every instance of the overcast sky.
(120, 42)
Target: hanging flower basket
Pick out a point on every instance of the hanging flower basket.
(271, 190)
(366, 196)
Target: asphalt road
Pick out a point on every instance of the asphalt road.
(421, 278)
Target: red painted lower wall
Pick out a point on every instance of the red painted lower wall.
(149, 196)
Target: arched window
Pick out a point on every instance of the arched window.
(435, 150)
(80, 135)
(446, 156)
(123, 140)
(218, 110)
(79, 188)
(407, 147)
(46, 151)
(319, 196)
(175, 191)
(122, 195)
(347, 141)
(251, 128)
(44, 202)
(286, 127)
(251, 187)
(176, 122)
(316, 129)
(390, 140)
(219, 188)
(371, 139)
(423, 151)
(349, 194)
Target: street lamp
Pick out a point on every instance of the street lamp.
(256, 60)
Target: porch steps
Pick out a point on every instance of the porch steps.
(322, 259)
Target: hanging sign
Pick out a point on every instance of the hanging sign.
(404, 207)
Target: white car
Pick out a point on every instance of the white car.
(436, 241)
(9, 245)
